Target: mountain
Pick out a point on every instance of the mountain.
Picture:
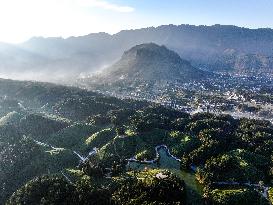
(204, 46)
(242, 63)
(215, 47)
(149, 62)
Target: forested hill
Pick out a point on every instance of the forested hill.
(64, 145)
(68, 102)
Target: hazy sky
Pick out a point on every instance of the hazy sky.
(22, 19)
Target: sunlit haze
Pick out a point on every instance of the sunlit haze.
(21, 20)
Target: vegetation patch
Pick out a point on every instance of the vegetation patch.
(237, 196)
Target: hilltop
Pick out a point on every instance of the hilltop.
(149, 62)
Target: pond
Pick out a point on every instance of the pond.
(165, 160)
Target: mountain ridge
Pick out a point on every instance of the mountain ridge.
(204, 46)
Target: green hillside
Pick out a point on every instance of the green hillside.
(72, 146)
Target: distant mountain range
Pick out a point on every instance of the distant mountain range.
(216, 48)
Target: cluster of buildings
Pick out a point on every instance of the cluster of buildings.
(240, 96)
